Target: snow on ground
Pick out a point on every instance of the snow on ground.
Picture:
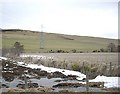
(109, 82)
(51, 69)
(3, 58)
(36, 56)
(20, 63)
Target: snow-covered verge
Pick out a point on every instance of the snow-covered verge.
(109, 82)
(79, 75)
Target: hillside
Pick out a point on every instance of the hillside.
(31, 41)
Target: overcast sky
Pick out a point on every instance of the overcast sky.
(97, 18)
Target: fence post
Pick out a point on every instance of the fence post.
(110, 68)
(83, 67)
(87, 81)
(0, 76)
(25, 79)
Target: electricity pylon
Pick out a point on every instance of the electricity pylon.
(42, 39)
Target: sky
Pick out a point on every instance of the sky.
(98, 18)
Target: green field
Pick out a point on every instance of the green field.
(31, 41)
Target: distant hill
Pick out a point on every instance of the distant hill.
(53, 42)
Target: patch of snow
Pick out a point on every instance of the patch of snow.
(3, 58)
(79, 75)
(8, 71)
(20, 63)
(109, 82)
(6, 65)
(36, 56)
(27, 75)
(79, 78)
(33, 66)
(4, 68)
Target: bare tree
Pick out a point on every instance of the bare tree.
(18, 48)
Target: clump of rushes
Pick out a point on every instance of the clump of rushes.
(75, 67)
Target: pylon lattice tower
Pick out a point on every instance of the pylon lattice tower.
(42, 39)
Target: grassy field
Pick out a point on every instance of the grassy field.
(31, 41)
(91, 58)
(97, 63)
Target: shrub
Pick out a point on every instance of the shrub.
(75, 67)
(18, 48)
(51, 51)
(60, 51)
(111, 47)
(94, 50)
(74, 51)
